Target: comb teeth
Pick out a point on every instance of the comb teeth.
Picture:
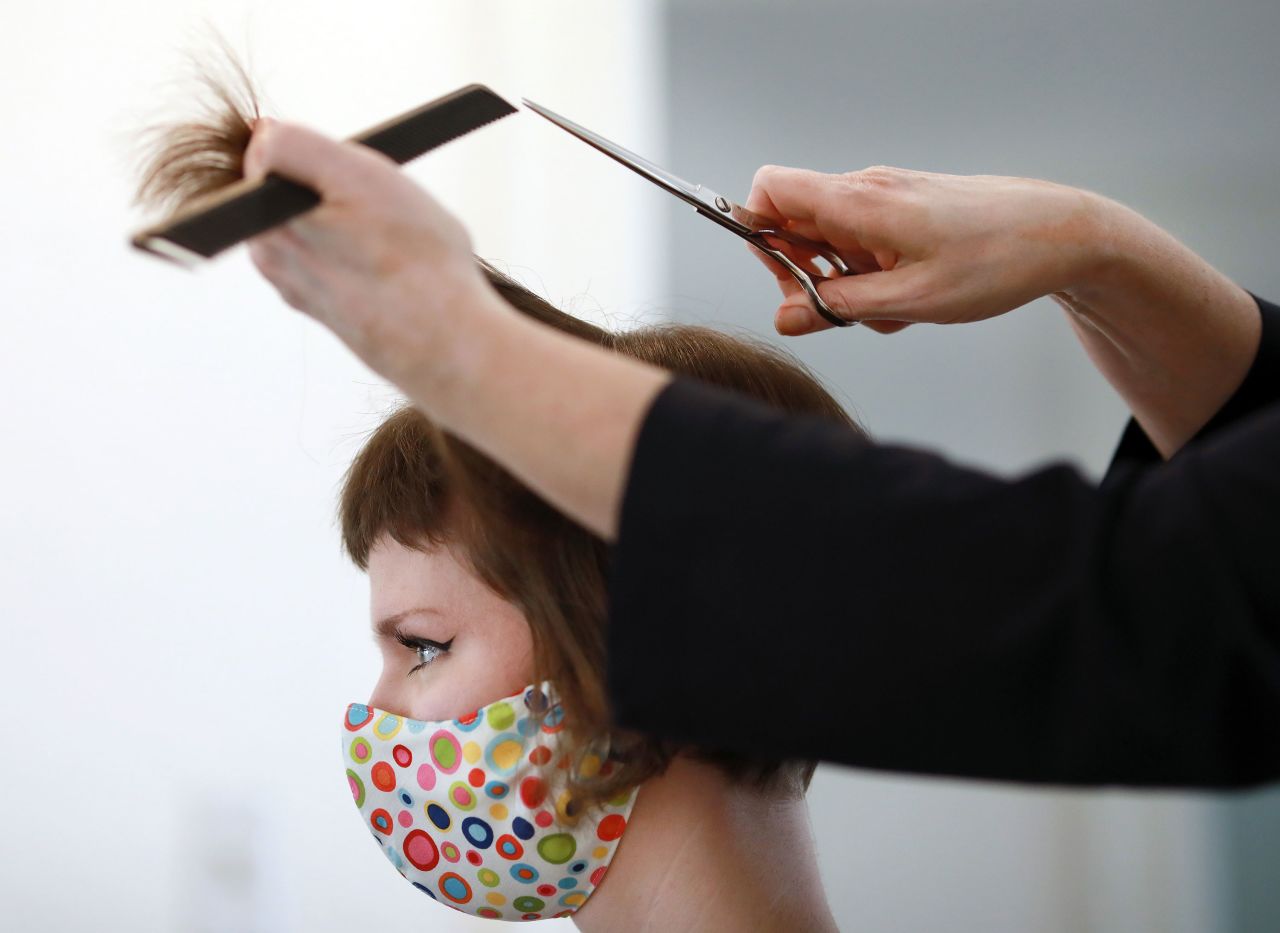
(446, 118)
(246, 209)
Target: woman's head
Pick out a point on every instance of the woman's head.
(480, 588)
(515, 592)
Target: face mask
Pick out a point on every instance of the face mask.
(472, 810)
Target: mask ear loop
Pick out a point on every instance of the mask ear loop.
(599, 748)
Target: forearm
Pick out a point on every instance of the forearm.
(559, 413)
(1174, 336)
(1131, 637)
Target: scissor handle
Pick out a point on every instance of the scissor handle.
(807, 280)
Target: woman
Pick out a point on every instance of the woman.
(489, 609)
(485, 764)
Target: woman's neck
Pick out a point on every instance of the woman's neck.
(701, 853)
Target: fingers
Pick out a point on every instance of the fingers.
(797, 318)
(886, 327)
(787, 193)
(793, 196)
(893, 294)
(284, 260)
(889, 298)
(819, 207)
(274, 263)
(804, 258)
(758, 199)
(869, 296)
(795, 315)
(310, 158)
(778, 269)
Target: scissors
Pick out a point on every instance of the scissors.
(749, 225)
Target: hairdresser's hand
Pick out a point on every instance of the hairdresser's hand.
(379, 261)
(1173, 335)
(931, 248)
(384, 266)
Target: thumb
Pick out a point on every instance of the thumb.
(889, 294)
(306, 157)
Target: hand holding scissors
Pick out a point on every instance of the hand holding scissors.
(903, 246)
(755, 228)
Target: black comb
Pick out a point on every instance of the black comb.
(247, 208)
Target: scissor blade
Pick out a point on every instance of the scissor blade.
(642, 166)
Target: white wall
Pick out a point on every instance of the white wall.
(181, 634)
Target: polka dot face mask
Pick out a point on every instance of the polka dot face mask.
(472, 810)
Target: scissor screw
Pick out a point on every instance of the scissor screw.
(722, 204)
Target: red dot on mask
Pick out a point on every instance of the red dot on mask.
(533, 792)
(611, 827)
(476, 777)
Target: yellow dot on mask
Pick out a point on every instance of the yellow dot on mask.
(498, 811)
(590, 766)
(494, 898)
(471, 752)
(562, 809)
(506, 755)
(573, 900)
(599, 852)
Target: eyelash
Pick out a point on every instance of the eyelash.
(420, 645)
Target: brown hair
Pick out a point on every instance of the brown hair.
(184, 160)
(422, 486)
(409, 474)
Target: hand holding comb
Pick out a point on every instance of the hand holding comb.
(244, 209)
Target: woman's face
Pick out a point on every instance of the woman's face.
(469, 646)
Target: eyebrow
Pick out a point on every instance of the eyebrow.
(386, 628)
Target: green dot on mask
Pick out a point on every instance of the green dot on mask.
(445, 753)
(501, 716)
(557, 849)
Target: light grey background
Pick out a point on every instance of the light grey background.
(1171, 107)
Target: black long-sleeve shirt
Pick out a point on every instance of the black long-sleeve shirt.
(781, 587)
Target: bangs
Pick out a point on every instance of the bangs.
(398, 486)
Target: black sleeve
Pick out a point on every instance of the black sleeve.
(783, 589)
(1260, 388)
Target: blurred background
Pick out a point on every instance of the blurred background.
(181, 632)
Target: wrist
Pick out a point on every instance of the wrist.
(1107, 238)
(440, 372)
(1174, 335)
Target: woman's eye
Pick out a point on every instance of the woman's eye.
(428, 653)
(424, 649)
